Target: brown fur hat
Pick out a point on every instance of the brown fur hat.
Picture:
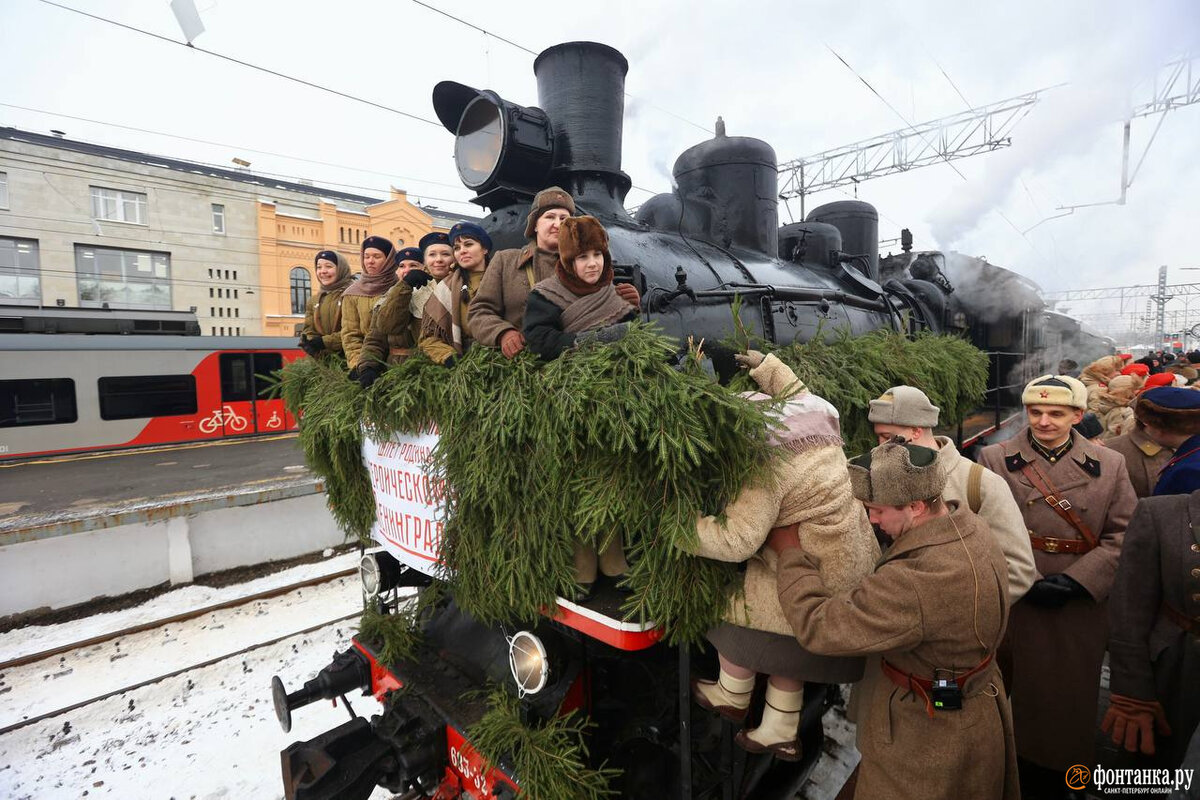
(577, 235)
(1170, 408)
(896, 473)
(543, 201)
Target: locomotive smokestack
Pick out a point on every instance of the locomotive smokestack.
(581, 87)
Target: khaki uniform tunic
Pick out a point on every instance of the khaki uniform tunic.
(1056, 653)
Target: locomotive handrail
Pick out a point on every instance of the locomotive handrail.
(796, 293)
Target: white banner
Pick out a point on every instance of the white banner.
(409, 502)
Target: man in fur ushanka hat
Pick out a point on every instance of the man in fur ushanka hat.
(1171, 417)
(934, 609)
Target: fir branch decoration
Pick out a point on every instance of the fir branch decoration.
(330, 409)
(550, 761)
(851, 371)
(398, 634)
(607, 442)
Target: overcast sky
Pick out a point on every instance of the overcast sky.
(766, 67)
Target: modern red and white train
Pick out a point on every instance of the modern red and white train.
(70, 393)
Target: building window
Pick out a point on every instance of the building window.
(235, 291)
(301, 289)
(118, 206)
(341, 234)
(237, 312)
(20, 281)
(210, 292)
(3, 190)
(42, 401)
(235, 274)
(218, 212)
(123, 278)
(140, 396)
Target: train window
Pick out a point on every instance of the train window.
(41, 401)
(235, 377)
(138, 396)
(264, 365)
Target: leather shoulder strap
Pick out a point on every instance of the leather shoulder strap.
(974, 485)
(1058, 502)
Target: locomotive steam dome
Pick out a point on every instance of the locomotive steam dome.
(729, 186)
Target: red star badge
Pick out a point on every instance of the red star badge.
(1044, 394)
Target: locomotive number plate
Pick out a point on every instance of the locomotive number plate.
(477, 777)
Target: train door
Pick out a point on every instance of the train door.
(243, 409)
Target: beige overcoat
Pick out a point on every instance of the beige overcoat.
(1144, 459)
(1056, 653)
(810, 487)
(936, 601)
(999, 510)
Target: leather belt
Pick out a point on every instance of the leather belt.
(1189, 624)
(1048, 544)
(400, 351)
(922, 686)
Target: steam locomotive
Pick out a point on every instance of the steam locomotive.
(690, 253)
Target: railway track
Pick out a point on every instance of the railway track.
(61, 698)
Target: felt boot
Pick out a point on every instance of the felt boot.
(778, 733)
(585, 572)
(612, 560)
(727, 695)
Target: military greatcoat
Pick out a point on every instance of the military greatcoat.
(937, 601)
(1144, 459)
(1157, 589)
(1056, 653)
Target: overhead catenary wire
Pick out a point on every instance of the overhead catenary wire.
(534, 53)
(240, 62)
(239, 148)
(891, 107)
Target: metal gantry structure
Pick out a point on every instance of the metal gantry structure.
(1157, 296)
(978, 130)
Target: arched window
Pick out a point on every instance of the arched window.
(301, 289)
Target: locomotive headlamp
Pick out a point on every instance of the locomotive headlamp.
(528, 662)
(378, 572)
(501, 147)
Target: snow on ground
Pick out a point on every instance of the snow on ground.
(212, 732)
(208, 734)
(80, 675)
(35, 638)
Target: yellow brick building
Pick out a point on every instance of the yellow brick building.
(289, 243)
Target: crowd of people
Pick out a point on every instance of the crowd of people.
(971, 605)
(455, 290)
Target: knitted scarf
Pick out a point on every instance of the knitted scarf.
(441, 316)
(602, 306)
(377, 284)
(804, 422)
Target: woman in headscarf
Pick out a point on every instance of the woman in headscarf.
(444, 333)
(808, 497)
(394, 328)
(323, 313)
(358, 301)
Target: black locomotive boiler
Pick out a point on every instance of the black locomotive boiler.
(690, 253)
